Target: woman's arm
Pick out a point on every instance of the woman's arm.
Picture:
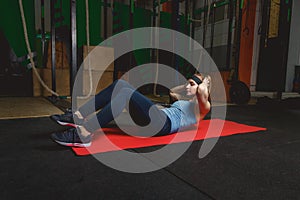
(176, 92)
(202, 98)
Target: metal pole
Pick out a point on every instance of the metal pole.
(187, 15)
(38, 15)
(73, 70)
(153, 56)
(212, 29)
(105, 18)
(47, 16)
(229, 38)
(193, 17)
(205, 23)
(238, 41)
(131, 11)
(53, 53)
(175, 25)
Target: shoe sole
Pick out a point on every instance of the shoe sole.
(66, 124)
(74, 144)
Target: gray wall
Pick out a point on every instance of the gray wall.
(294, 46)
(220, 41)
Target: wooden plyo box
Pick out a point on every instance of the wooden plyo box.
(62, 71)
(100, 60)
(62, 82)
(61, 58)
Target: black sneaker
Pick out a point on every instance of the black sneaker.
(71, 138)
(66, 119)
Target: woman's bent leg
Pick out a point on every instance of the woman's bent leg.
(139, 109)
(103, 97)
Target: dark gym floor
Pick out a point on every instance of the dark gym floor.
(261, 165)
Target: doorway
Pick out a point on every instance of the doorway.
(275, 29)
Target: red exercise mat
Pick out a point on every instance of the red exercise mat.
(119, 140)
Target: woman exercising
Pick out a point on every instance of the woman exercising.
(181, 114)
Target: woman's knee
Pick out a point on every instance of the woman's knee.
(122, 82)
(126, 91)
